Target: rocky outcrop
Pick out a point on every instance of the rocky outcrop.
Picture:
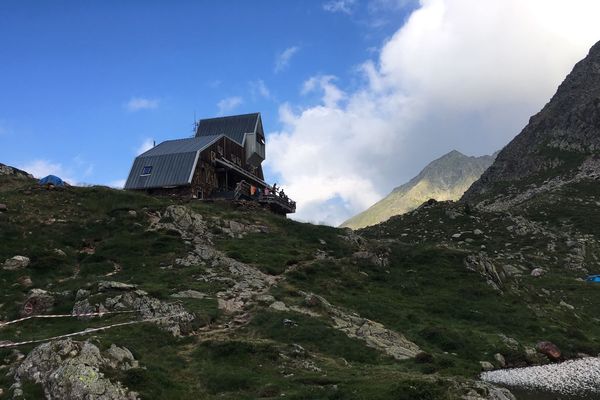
(563, 138)
(245, 281)
(38, 302)
(373, 333)
(15, 263)
(13, 172)
(481, 263)
(71, 370)
(172, 317)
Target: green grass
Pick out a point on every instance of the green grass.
(314, 334)
(288, 243)
(426, 293)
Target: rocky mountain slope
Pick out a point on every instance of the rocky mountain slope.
(446, 178)
(560, 144)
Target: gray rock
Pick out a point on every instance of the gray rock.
(477, 232)
(236, 227)
(121, 358)
(279, 306)
(190, 294)
(82, 294)
(481, 263)
(38, 301)
(71, 370)
(3, 207)
(486, 365)
(500, 359)
(104, 286)
(511, 270)
(15, 263)
(566, 305)
(60, 253)
(537, 272)
(264, 299)
(374, 334)
(25, 281)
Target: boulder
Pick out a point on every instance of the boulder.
(264, 299)
(500, 360)
(73, 370)
(566, 305)
(3, 208)
(15, 263)
(537, 272)
(279, 306)
(486, 365)
(477, 232)
(25, 281)
(236, 227)
(549, 349)
(121, 358)
(37, 302)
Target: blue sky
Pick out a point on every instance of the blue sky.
(85, 84)
(357, 96)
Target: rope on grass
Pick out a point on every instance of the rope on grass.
(94, 314)
(6, 344)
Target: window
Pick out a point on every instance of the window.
(147, 170)
(220, 150)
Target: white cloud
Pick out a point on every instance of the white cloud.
(117, 184)
(282, 60)
(141, 103)
(258, 88)
(341, 6)
(229, 104)
(146, 145)
(332, 95)
(462, 74)
(41, 168)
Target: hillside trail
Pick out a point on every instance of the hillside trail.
(247, 284)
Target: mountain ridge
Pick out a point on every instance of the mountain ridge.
(557, 142)
(445, 178)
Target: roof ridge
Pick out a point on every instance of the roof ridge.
(231, 116)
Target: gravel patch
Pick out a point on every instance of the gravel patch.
(569, 378)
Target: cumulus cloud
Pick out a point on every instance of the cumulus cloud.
(146, 145)
(41, 168)
(282, 60)
(229, 104)
(461, 74)
(340, 6)
(141, 103)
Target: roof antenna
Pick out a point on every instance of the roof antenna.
(195, 128)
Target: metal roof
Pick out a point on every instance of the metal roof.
(234, 126)
(180, 146)
(172, 163)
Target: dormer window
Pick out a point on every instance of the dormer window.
(147, 170)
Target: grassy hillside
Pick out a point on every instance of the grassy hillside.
(281, 325)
